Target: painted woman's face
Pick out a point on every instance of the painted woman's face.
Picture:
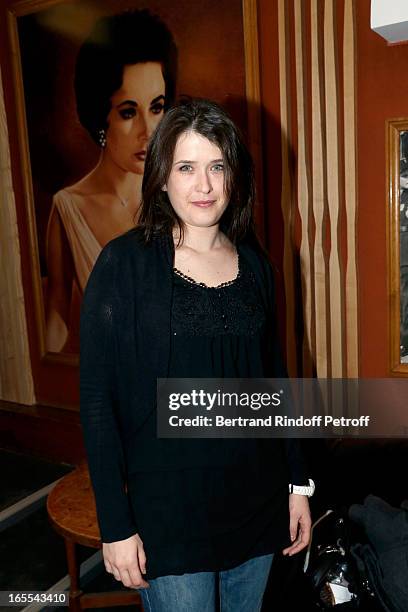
(137, 108)
(403, 181)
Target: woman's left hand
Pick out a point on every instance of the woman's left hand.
(300, 523)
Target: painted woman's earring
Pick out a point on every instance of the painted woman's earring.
(102, 138)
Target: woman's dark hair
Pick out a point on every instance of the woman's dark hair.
(132, 37)
(209, 120)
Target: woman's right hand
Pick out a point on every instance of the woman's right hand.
(126, 560)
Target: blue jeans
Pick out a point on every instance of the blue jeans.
(239, 589)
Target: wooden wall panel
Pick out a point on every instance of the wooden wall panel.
(253, 93)
(350, 184)
(287, 202)
(326, 181)
(333, 190)
(319, 165)
(303, 188)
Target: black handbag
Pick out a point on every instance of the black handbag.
(337, 578)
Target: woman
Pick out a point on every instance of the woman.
(124, 80)
(186, 294)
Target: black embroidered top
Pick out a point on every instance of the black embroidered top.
(217, 331)
(196, 505)
(221, 507)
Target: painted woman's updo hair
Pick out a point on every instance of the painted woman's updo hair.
(132, 37)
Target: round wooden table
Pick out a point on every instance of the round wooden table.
(72, 512)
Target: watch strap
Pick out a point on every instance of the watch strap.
(303, 490)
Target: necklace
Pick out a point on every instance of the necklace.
(123, 201)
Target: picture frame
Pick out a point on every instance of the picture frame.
(17, 12)
(397, 234)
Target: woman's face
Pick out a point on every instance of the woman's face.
(404, 181)
(137, 108)
(196, 182)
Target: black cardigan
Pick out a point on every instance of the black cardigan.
(125, 347)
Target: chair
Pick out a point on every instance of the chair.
(72, 512)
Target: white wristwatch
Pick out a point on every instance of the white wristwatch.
(303, 490)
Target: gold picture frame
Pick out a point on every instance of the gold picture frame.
(21, 8)
(397, 234)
